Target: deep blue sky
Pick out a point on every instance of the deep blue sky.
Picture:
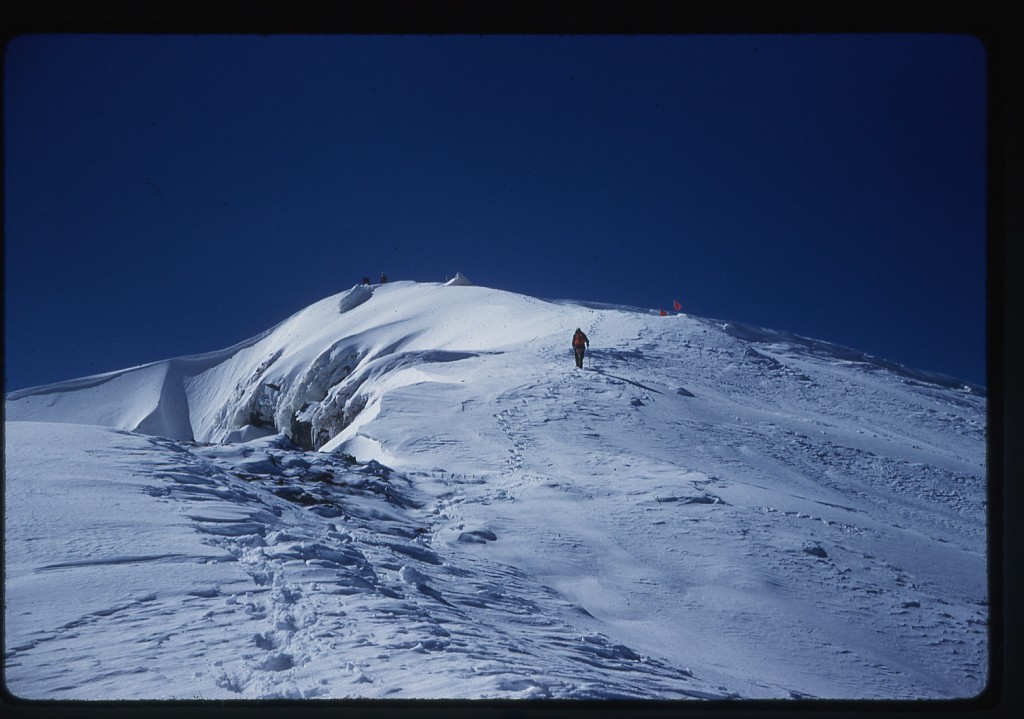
(169, 195)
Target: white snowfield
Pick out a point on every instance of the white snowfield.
(409, 491)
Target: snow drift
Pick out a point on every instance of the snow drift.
(408, 490)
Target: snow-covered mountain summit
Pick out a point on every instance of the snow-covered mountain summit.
(411, 481)
(327, 368)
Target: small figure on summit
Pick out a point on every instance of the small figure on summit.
(383, 278)
(580, 343)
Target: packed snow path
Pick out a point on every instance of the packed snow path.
(261, 571)
(706, 511)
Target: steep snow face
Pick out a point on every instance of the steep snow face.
(705, 510)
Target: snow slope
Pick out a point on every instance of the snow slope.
(708, 510)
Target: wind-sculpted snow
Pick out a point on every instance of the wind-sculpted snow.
(304, 378)
(700, 513)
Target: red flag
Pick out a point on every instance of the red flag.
(675, 303)
(663, 313)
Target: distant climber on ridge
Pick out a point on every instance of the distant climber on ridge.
(580, 343)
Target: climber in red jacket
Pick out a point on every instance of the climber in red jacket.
(580, 343)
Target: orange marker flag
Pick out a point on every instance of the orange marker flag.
(675, 303)
(663, 313)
